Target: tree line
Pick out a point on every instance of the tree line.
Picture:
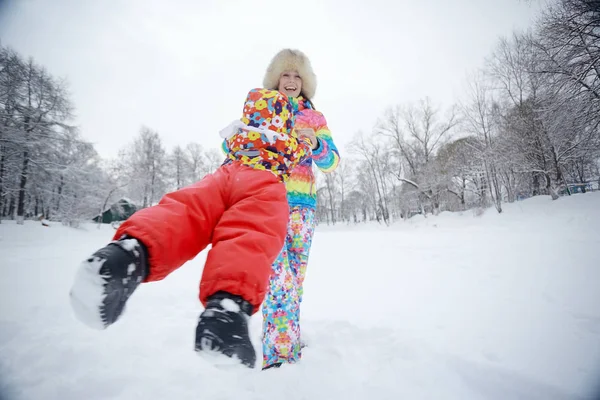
(48, 170)
(527, 124)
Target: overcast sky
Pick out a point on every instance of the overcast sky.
(183, 67)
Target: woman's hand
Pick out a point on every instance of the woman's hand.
(308, 133)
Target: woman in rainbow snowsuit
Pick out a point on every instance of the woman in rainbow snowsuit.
(281, 308)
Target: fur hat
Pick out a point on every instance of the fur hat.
(290, 59)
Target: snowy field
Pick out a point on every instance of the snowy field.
(449, 307)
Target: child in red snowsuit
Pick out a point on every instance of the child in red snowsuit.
(241, 210)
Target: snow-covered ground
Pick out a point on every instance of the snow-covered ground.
(449, 307)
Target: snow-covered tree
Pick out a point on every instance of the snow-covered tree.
(146, 165)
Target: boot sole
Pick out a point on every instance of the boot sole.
(88, 293)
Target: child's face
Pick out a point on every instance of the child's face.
(290, 83)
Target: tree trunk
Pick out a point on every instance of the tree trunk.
(331, 203)
(482, 192)
(11, 207)
(1, 183)
(179, 172)
(422, 206)
(550, 187)
(462, 194)
(23, 183)
(383, 198)
(343, 205)
(559, 175)
(60, 189)
(510, 191)
(435, 201)
(497, 189)
(151, 202)
(536, 184)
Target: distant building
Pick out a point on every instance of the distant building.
(119, 211)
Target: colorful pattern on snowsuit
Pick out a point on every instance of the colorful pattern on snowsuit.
(281, 308)
(301, 186)
(274, 146)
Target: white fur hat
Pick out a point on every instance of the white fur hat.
(291, 60)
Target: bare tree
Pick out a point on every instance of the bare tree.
(41, 116)
(330, 190)
(178, 165)
(113, 188)
(214, 158)
(344, 179)
(146, 167)
(569, 37)
(462, 167)
(515, 66)
(416, 133)
(42, 157)
(11, 82)
(478, 117)
(568, 43)
(376, 158)
(196, 158)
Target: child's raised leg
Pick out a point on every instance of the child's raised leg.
(150, 245)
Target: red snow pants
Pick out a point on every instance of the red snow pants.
(241, 211)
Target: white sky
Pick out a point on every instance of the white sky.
(184, 67)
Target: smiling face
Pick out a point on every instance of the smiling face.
(290, 83)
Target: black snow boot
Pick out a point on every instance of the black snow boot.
(275, 365)
(223, 328)
(106, 280)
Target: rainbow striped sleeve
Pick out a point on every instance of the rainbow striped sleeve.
(326, 156)
(224, 147)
